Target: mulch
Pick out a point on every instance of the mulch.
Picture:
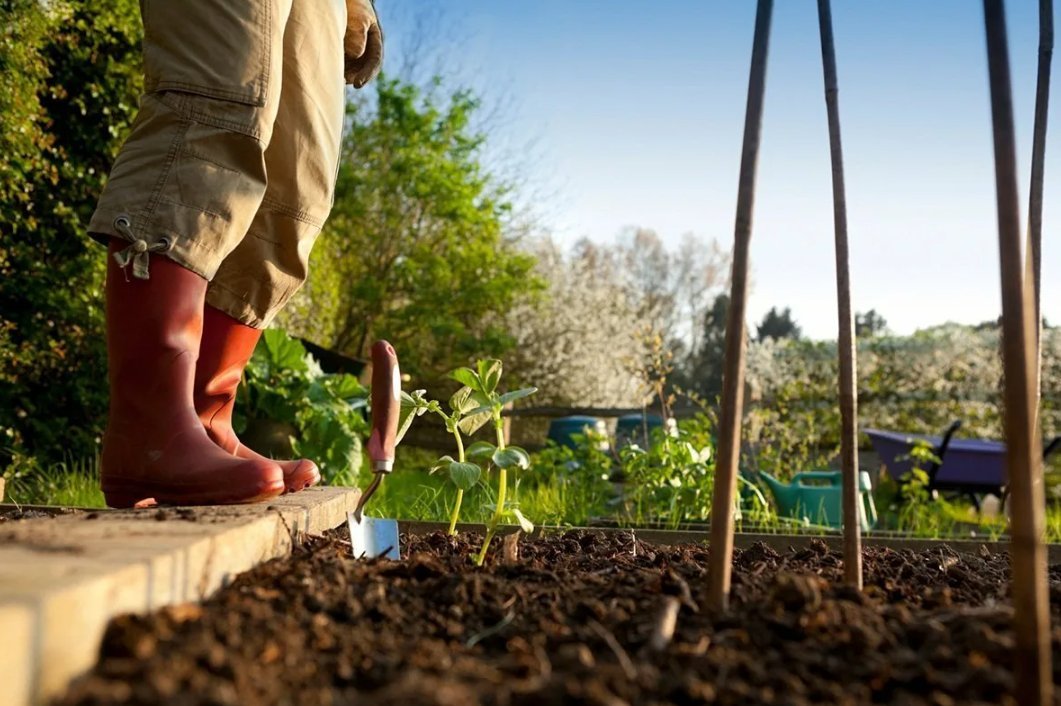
(576, 618)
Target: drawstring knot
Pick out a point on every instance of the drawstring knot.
(139, 250)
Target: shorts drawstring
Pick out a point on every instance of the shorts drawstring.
(138, 251)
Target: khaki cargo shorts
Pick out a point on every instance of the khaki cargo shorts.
(230, 167)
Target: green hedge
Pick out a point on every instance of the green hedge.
(72, 78)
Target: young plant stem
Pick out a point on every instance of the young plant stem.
(499, 510)
(456, 513)
(460, 492)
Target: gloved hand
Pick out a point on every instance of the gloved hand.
(363, 44)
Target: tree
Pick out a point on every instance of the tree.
(869, 324)
(777, 325)
(579, 341)
(72, 78)
(415, 250)
(613, 317)
(704, 375)
(673, 288)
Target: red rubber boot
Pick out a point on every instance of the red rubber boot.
(227, 347)
(155, 446)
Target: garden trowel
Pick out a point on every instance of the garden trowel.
(371, 537)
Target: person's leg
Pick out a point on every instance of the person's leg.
(271, 263)
(155, 446)
(227, 346)
(183, 192)
(191, 175)
(268, 266)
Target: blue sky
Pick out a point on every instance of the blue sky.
(636, 114)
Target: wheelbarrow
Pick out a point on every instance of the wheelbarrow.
(817, 497)
(970, 467)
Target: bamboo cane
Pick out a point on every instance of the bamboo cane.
(846, 337)
(1033, 676)
(721, 558)
(1035, 192)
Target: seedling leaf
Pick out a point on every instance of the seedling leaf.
(525, 524)
(511, 457)
(442, 462)
(464, 475)
(517, 395)
(480, 449)
(461, 402)
(489, 374)
(467, 376)
(486, 409)
(473, 422)
(412, 406)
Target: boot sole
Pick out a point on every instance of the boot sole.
(126, 494)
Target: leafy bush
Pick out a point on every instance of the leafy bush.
(670, 480)
(589, 457)
(289, 406)
(577, 480)
(674, 478)
(916, 508)
(72, 77)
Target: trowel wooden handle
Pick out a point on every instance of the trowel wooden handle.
(386, 406)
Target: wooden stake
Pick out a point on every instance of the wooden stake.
(1034, 254)
(721, 560)
(1033, 675)
(845, 348)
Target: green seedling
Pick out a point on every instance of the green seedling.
(475, 404)
(463, 474)
(483, 383)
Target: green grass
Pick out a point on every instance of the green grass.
(555, 498)
(1053, 523)
(72, 484)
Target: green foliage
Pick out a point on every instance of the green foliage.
(71, 81)
(673, 479)
(669, 480)
(588, 457)
(463, 473)
(477, 402)
(415, 250)
(322, 414)
(483, 382)
(916, 508)
(67, 483)
(571, 485)
(23, 133)
(551, 495)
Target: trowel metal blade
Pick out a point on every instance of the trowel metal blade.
(373, 538)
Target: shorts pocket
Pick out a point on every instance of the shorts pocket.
(215, 48)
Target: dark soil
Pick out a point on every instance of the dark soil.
(571, 622)
(14, 513)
